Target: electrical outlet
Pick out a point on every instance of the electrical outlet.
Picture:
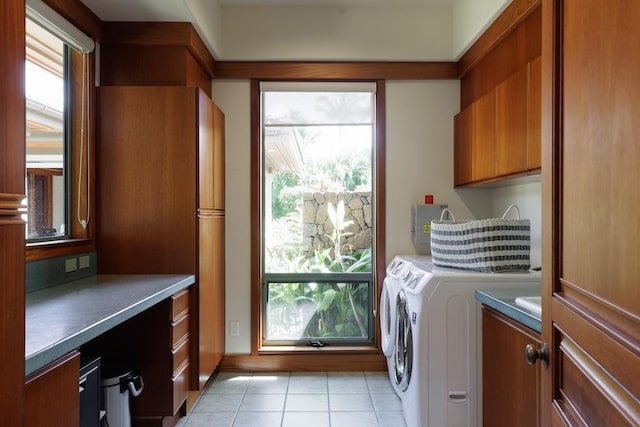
(234, 328)
(70, 264)
(84, 261)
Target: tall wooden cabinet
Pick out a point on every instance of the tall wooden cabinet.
(591, 250)
(160, 200)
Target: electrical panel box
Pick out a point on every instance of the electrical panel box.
(421, 217)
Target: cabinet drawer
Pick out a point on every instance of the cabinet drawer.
(180, 355)
(179, 329)
(179, 304)
(180, 381)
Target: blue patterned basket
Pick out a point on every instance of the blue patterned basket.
(488, 245)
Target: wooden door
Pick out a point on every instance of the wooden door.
(591, 250)
(218, 158)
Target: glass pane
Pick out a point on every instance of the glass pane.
(318, 182)
(318, 108)
(45, 136)
(298, 311)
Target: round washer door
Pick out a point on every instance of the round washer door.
(403, 356)
(387, 321)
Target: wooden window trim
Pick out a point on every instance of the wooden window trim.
(256, 223)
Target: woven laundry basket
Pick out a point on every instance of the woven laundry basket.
(488, 245)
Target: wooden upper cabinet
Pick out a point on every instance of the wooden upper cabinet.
(591, 249)
(534, 115)
(462, 156)
(483, 138)
(511, 123)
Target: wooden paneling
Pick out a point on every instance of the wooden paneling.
(51, 394)
(591, 148)
(12, 227)
(146, 198)
(511, 387)
(160, 34)
(206, 154)
(335, 70)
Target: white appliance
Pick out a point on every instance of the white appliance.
(437, 363)
(390, 288)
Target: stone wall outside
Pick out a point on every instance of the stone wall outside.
(317, 226)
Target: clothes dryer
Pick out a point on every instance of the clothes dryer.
(437, 361)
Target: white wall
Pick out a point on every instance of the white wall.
(207, 18)
(470, 19)
(233, 98)
(528, 198)
(336, 32)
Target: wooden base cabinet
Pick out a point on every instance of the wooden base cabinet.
(510, 386)
(52, 398)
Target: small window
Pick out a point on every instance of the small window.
(56, 98)
(46, 74)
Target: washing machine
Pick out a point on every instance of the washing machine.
(390, 288)
(437, 359)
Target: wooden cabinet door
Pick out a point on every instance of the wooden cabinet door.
(591, 249)
(218, 158)
(511, 123)
(146, 153)
(534, 115)
(51, 395)
(510, 386)
(483, 128)
(206, 153)
(462, 156)
(211, 294)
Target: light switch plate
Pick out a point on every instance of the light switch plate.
(234, 328)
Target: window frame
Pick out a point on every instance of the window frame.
(78, 162)
(378, 191)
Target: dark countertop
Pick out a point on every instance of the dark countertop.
(503, 301)
(62, 318)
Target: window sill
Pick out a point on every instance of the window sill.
(53, 248)
(304, 349)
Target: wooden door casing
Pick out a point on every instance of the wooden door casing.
(591, 253)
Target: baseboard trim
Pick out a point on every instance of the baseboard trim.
(303, 362)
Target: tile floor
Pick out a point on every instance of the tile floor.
(308, 399)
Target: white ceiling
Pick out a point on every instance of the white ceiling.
(174, 10)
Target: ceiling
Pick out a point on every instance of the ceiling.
(173, 10)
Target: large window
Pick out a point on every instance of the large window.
(318, 213)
